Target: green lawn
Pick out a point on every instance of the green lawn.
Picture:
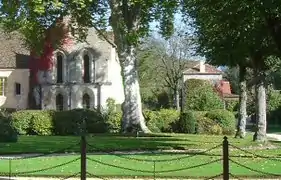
(45, 144)
(122, 165)
(111, 165)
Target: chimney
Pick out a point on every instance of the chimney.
(202, 66)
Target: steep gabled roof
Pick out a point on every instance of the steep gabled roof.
(13, 53)
(194, 67)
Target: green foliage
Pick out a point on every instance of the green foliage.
(33, 122)
(224, 118)
(201, 96)
(232, 105)
(274, 100)
(75, 121)
(43, 16)
(7, 132)
(21, 120)
(152, 121)
(206, 125)
(274, 107)
(161, 120)
(38, 122)
(42, 123)
(163, 100)
(113, 116)
(187, 123)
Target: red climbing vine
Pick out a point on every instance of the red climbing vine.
(45, 62)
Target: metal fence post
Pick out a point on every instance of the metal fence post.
(225, 159)
(83, 158)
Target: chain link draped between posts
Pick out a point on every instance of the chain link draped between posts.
(155, 160)
(225, 159)
(43, 154)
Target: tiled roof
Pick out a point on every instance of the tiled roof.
(13, 54)
(194, 67)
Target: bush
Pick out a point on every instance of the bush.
(161, 120)
(21, 121)
(7, 132)
(232, 105)
(224, 118)
(36, 122)
(201, 96)
(71, 122)
(151, 118)
(187, 122)
(274, 108)
(113, 116)
(208, 126)
(42, 123)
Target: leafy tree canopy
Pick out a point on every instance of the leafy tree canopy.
(33, 17)
(231, 32)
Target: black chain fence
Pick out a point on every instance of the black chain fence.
(154, 172)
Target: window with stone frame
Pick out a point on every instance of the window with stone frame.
(17, 88)
(3, 86)
(59, 102)
(59, 68)
(86, 63)
(86, 101)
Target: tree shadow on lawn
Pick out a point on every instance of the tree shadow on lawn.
(114, 144)
(47, 144)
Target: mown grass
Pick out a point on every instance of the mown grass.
(45, 144)
(112, 165)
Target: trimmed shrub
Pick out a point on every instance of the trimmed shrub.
(42, 123)
(7, 132)
(187, 122)
(224, 118)
(168, 117)
(113, 116)
(208, 126)
(274, 107)
(151, 118)
(232, 105)
(201, 96)
(162, 120)
(71, 122)
(21, 120)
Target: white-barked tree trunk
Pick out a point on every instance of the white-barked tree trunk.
(123, 23)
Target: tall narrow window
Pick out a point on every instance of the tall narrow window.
(86, 101)
(59, 102)
(59, 69)
(3, 86)
(86, 69)
(17, 88)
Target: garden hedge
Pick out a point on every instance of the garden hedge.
(224, 118)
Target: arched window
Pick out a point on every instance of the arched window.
(59, 68)
(59, 102)
(86, 101)
(86, 60)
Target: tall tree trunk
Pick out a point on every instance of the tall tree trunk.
(241, 127)
(260, 134)
(132, 106)
(123, 27)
